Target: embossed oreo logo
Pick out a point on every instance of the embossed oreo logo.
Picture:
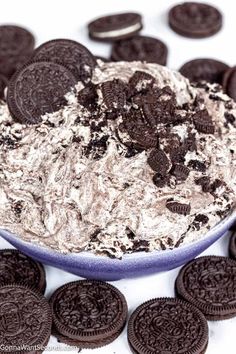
(212, 280)
(166, 328)
(47, 95)
(37, 89)
(10, 319)
(88, 306)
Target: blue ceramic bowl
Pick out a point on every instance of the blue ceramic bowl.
(90, 266)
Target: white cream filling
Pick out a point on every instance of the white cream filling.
(118, 32)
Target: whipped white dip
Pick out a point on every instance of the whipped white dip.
(54, 193)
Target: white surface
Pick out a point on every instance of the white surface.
(50, 19)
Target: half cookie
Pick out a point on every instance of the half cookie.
(88, 314)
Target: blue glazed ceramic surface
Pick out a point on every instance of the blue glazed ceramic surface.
(88, 265)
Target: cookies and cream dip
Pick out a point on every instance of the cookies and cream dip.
(137, 160)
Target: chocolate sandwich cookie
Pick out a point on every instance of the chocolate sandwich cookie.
(3, 85)
(38, 88)
(232, 245)
(114, 94)
(140, 82)
(69, 53)
(209, 284)
(88, 314)
(16, 267)
(115, 27)
(229, 82)
(167, 325)
(25, 320)
(203, 122)
(209, 70)
(158, 161)
(195, 20)
(85, 344)
(142, 48)
(16, 47)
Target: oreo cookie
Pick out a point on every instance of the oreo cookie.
(158, 161)
(16, 47)
(209, 284)
(114, 94)
(167, 325)
(25, 320)
(229, 82)
(178, 208)
(209, 70)
(159, 106)
(180, 171)
(232, 245)
(85, 344)
(195, 20)
(140, 82)
(115, 27)
(88, 97)
(142, 136)
(69, 53)
(38, 88)
(88, 313)
(142, 48)
(15, 267)
(203, 122)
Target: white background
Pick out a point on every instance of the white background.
(49, 19)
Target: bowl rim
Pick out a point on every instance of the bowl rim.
(86, 256)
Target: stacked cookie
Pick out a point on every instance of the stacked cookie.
(84, 314)
(209, 284)
(25, 314)
(56, 66)
(88, 314)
